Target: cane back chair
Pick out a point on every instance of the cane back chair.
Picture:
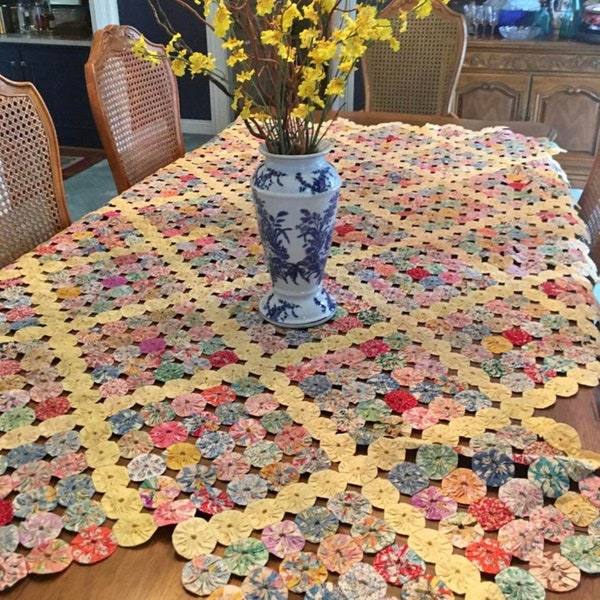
(422, 76)
(32, 197)
(589, 209)
(135, 105)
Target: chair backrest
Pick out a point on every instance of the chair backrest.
(135, 105)
(422, 76)
(32, 197)
(589, 209)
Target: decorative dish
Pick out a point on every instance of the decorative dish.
(519, 33)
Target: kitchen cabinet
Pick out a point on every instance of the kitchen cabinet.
(57, 71)
(555, 82)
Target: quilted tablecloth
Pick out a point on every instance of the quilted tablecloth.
(399, 450)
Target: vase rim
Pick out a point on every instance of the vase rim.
(325, 147)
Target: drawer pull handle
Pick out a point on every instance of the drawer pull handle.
(474, 60)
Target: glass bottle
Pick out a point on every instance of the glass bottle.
(570, 20)
(543, 20)
(24, 16)
(40, 16)
(51, 18)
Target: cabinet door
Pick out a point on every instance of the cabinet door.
(10, 61)
(58, 74)
(571, 105)
(494, 97)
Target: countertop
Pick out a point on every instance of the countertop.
(45, 38)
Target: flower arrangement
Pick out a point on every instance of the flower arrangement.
(290, 58)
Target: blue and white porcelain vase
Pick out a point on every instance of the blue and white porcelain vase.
(296, 200)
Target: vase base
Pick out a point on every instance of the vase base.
(297, 313)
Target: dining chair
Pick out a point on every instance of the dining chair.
(32, 196)
(422, 76)
(135, 105)
(589, 209)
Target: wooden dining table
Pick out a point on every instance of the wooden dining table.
(529, 128)
(440, 433)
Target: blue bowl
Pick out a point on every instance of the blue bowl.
(521, 18)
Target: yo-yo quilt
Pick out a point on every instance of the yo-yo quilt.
(400, 450)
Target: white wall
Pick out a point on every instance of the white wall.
(104, 12)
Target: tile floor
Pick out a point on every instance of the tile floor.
(94, 187)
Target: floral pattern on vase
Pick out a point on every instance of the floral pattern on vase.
(296, 199)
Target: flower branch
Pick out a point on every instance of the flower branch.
(290, 60)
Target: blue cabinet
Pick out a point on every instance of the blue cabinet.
(58, 73)
(194, 93)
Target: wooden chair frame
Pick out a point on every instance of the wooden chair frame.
(422, 76)
(135, 105)
(32, 196)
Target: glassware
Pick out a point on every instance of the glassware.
(570, 20)
(469, 12)
(40, 15)
(543, 21)
(492, 16)
(25, 16)
(556, 16)
(479, 19)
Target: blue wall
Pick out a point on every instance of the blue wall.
(193, 93)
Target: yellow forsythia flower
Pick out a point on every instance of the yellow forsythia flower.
(170, 47)
(244, 76)
(222, 20)
(289, 15)
(264, 7)
(232, 44)
(307, 36)
(323, 51)
(366, 19)
(307, 89)
(310, 13)
(237, 97)
(236, 57)
(178, 65)
(422, 9)
(288, 54)
(140, 50)
(207, 4)
(335, 87)
(346, 66)
(246, 112)
(271, 37)
(402, 23)
(201, 63)
(353, 48)
(383, 30)
(301, 111)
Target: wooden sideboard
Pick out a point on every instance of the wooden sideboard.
(555, 82)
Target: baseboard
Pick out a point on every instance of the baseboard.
(197, 126)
